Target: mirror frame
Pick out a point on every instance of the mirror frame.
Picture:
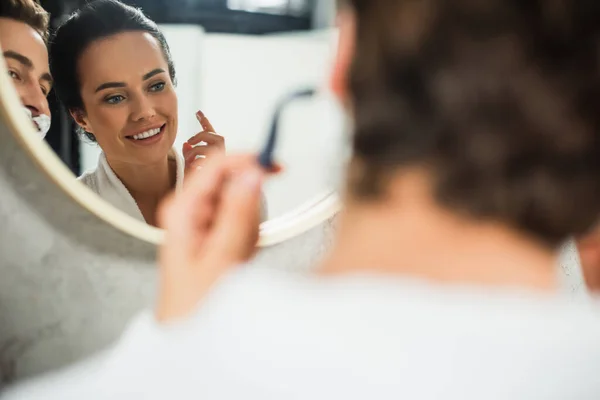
(312, 213)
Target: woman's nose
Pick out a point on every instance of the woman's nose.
(143, 109)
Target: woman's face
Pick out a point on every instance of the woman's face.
(129, 100)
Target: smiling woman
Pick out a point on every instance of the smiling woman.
(134, 121)
(128, 107)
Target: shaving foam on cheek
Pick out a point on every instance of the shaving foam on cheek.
(27, 112)
(41, 122)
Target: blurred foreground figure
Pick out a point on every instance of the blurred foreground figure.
(588, 247)
(476, 152)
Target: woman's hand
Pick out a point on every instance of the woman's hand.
(195, 154)
(211, 226)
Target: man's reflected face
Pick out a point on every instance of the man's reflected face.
(26, 58)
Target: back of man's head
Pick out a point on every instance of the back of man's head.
(497, 100)
(28, 12)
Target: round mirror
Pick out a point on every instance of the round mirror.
(132, 103)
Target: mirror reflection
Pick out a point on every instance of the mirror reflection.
(132, 95)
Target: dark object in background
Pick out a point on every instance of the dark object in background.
(265, 158)
(61, 136)
(216, 16)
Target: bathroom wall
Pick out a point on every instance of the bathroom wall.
(236, 80)
(324, 14)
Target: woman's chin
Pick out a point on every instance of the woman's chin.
(152, 155)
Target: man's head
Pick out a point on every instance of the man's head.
(495, 101)
(23, 35)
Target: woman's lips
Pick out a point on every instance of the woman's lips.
(150, 140)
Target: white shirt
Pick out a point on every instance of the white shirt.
(265, 335)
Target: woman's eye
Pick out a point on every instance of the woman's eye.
(157, 87)
(114, 99)
(44, 90)
(14, 75)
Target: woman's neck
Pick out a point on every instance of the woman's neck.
(430, 243)
(147, 184)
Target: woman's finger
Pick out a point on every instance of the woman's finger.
(197, 163)
(204, 122)
(209, 137)
(185, 151)
(186, 147)
(191, 154)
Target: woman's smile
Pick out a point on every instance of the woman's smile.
(147, 136)
(130, 106)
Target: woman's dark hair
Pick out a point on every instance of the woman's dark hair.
(28, 12)
(96, 20)
(499, 99)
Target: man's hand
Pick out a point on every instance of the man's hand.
(211, 227)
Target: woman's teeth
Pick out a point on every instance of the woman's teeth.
(147, 134)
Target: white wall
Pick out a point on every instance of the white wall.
(324, 13)
(236, 81)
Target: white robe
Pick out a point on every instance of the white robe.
(265, 335)
(105, 183)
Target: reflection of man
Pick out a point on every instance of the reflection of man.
(23, 34)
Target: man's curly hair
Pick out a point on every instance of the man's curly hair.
(498, 99)
(28, 12)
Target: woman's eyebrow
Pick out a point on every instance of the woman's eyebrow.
(152, 73)
(109, 85)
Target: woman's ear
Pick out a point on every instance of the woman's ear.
(81, 119)
(345, 53)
